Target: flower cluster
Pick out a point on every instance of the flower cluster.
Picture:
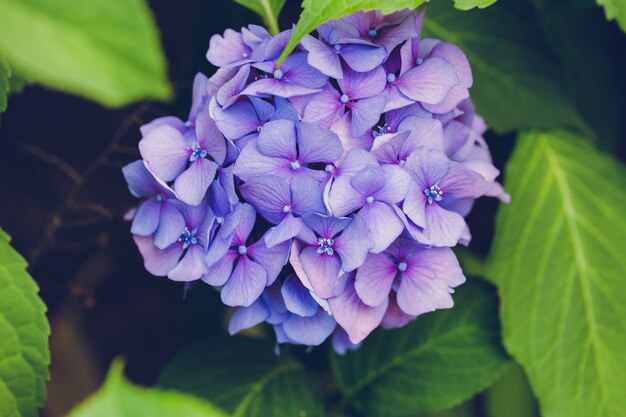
(321, 194)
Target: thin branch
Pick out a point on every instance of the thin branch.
(53, 160)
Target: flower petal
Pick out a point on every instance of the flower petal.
(157, 261)
(428, 82)
(316, 144)
(246, 317)
(383, 224)
(245, 284)
(191, 186)
(322, 270)
(191, 267)
(297, 298)
(310, 331)
(165, 151)
(374, 279)
(268, 195)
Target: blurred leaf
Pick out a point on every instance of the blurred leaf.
(436, 362)
(517, 80)
(105, 50)
(5, 76)
(17, 83)
(24, 330)
(558, 260)
(245, 378)
(472, 264)
(615, 9)
(511, 395)
(470, 4)
(586, 47)
(119, 398)
(267, 9)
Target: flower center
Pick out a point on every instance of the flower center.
(329, 168)
(419, 61)
(286, 209)
(160, 197)
(373, 33)
(369, 200)
(337, 47)
(188, 237)
(402, 266)
(295, 165)
(278, 74)
(433, 193)
(242, 250)
(391, 77)
(326, 246)
(382, 130)
(197, 152)
(344, 98)
(244, 55)
(219, 220)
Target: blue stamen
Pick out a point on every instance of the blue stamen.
(419, 61)
(402, 266)
(344, 98)
(242, 250)
(433, 193)
(188, 237)
(198, 152)
(391, 78)
(373, 33)
(278, 74)
(326, 246)
(159, 197)
(382, 130)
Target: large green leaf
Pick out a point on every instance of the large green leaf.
(245, 378)
(435, 362)
(615, 9)
(106, 50)
(24, 330)
(267, 9)
(119, 398)
(517, 81)
(558, 260)
(5, 75)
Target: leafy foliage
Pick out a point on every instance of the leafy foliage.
(5, 75)
(103, 49)
(517, 81)
(615, 9)
(24, 330)
(267, 9)
(245, 378)
(558, 259)
(470, 4)
(435, 362)
(119, 398)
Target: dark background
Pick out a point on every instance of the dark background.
(63, 203)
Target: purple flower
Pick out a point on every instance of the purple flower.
(190, 161)
(438, 184)
(183, 259)
(246, 269)
(373, 192)
(386, 31)
(358, 95)
(285, 149)
(422, 277)
(283, 204)
(326, 247)
(159, 213)
(411, 133)
(269, 307)
(238, 48)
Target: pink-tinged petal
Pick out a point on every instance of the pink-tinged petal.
(454, 96)
(280, 88)
(342, 128)
(316, 144)
(429, 280)
(365, 113)
(443, 227)
(392, 36)
(157, 261)
(141, 182)
(429, 82)
(358, 85)
(228, 93)
(428, 166)
(325, 226)
(306, 196)
(321, 269)
(276, 44)
(278, 139)
(287, 229)
(310, 331)
(146, 219)
(323, 108)
(171, 121)
(363, 58)
(461, 182)
(355, 161)
(383, 225)
(191, 185)
(218, 248)
(191, 267)
(322, 57)
(425, 132)
(245, 284)
(357, 318)
(269, 195)
(298, 71)
(395, 317)
(228, 49)
(394, 98)
(343, 199)
(247, 317)
(252, 163)
(273, 259)
(219, 272)
(165, 151)
(498, 191)
(414, 205)
(171, 225)
(210, 138)
(375, 278)
(485, 169)
(368, 181)
(397, 184)
(297, 247)
(297, 297)
(247, 218)
(219, 78)
(455, 56)
(198, 95)
(353, 245)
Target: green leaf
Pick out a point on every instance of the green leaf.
(267, 9)
(106, 50)
(470, 4)
(615, 9)
(317, 12)
(245, 378)
(24, 330)
(436, 362)
(517, 80)
(558, 260)
(119, 398)
(511, 395)
(5, 75)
